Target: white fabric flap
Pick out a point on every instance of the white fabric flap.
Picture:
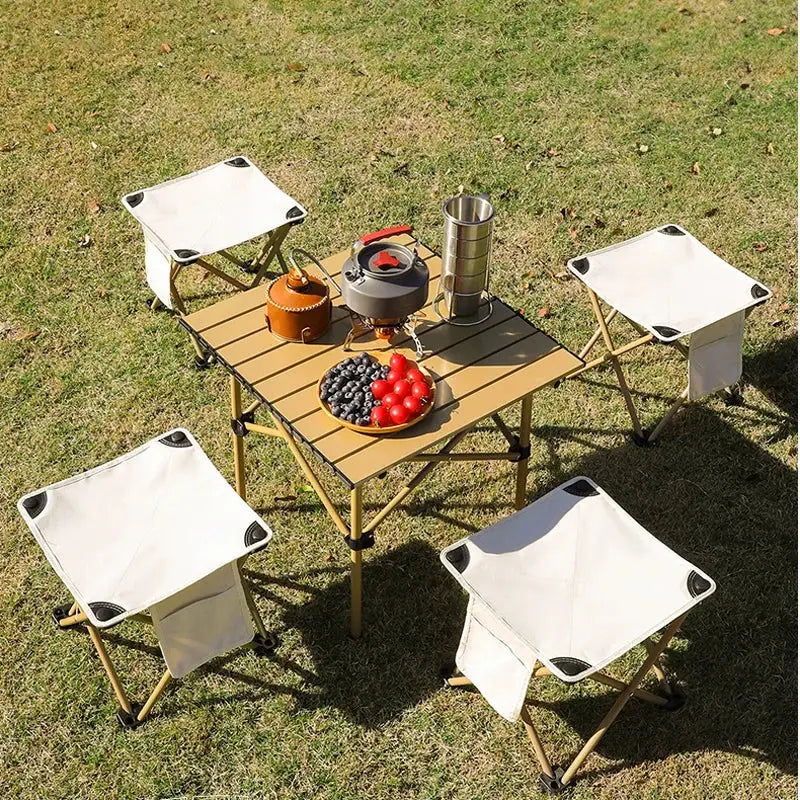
(203, 621)
(668, 282)
(495, 659)
(715, 356)
(157, 268)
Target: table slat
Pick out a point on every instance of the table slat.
(465, 412)
(467, 367)
(442, 339)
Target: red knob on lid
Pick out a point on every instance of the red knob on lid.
(385, 259)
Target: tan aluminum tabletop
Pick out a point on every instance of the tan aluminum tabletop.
(479, 370)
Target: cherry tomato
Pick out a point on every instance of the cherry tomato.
(390, 400)
(394, 376)
(413, 405)
(398, 362)
(402, 389)
(421, 391)
(380, 389)
(399, 414)
(416, 376)
(380, 417)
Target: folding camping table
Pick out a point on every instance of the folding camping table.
(669, 286)
(159, 529)
(564, 588)
(205, 213)
(479, 371)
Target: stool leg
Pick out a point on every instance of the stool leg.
(109, 668)
(622, 699)
(661, 676)
(156, 693)
(251, 604)
(589, 346)
(356, 512)
(533, 735)
(238, 441)
(673, 409)
(524, 443)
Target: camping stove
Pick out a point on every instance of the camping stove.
(384, 284)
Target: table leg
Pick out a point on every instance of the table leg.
(356, 513)
(238, 441)
(524, 443)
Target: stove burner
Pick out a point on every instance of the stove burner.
(383, 329)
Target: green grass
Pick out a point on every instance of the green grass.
(398, 105)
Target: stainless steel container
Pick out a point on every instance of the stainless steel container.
(466, 253)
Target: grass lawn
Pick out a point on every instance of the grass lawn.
(583, 120)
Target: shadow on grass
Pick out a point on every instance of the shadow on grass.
(722, 502)
(413, 618)
(707, 492)
(773, 370)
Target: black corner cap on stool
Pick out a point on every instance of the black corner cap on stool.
(671, 230)
(580, 488)
(106, 611)
(757, 291)
(265, 645)
(134, 199)
(255, 533)
(176, 439)
(238, 162)
(581, 264)
(294, 212)
(186, 253)
(35, 504)
(697, 584)
(676, 699)
(551, 784)
(62, 612)
(570, 666)
(128, 720)
(447, 671)
(458, 557)
(665, 332)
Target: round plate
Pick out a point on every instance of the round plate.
(382, 358)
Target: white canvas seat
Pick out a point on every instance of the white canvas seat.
(208, 212)
(669, 286)
(158, 528)
(570, 583)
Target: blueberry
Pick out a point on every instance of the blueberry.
(334, 410)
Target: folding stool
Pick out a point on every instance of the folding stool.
(564, 587)
(207, 213)
(669, 286)
(158, 528)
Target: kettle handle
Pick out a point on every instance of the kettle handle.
(397, 230)
(306, 254)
